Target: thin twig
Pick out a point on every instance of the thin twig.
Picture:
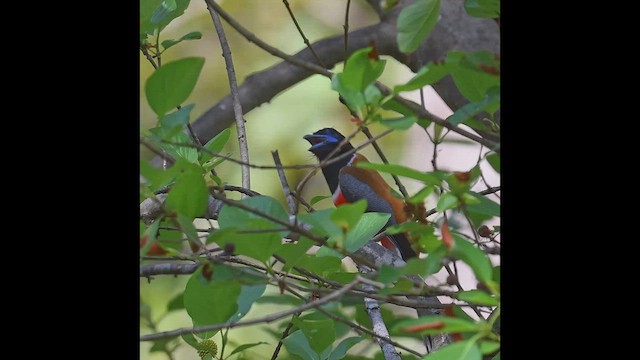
(145, 51)
(156, 151)
(346, 30)
(304, 38)
(291, 202)
(237, 107)
(266, 319)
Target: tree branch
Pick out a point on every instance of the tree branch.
(237, 106)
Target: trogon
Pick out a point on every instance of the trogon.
(349, 184)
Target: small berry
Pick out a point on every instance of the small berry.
(207, 346)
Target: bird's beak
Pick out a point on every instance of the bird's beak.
(314, 140)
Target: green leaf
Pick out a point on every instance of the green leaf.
(172, 84)
(319, 333)
(248, 295)
(177, 303)
(484, 206)
(211, 302)
(447, 201)
(497, 357)
(258, 245)
(177, 118)
(368, 226)
(489, 347)
(294, 253)
(297, 344)
(429, 242)
(471, 74)
(347, 216)
(489, 103)
(427, 75)
(318, 198)
(494, 161)
(245, 347)
(472, 256)
(159, 11)
(341, 350)
(321, 223)
(190, 339)
(496, 274)
(393, 105)
(194, 35)
(449, 325)
(388, 274)
(190, 195)
(422, 194)
(415, 23)
(401, 123)
(159, 345)
(463, 350)
(478, 297)
(360, 70)
(216, 144)
(354, 99)
(434, 260)
(156, 177)
(429, 178)
(483, 8)
(321, 265)
(283, 299)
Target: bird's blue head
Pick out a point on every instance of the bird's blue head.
(324, 141)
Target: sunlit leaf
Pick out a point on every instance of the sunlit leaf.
(172, 84)
(472, 256)
(477, 297)
(415, 23)
(190, 195)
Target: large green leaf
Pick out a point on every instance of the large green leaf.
(177, 118)
(401, 123)
(294, 253)
(248, 295)
(296, 343)
(463, 350)
(473, 73)
(447, 201)
(483, 8)
(172, 84)
(319, 333)
(254, 236)
(216, 144)
(341, 350)
(494, 160)
(477, 297)
(472, 256)
(194, 35)
(365, 229)
(214, 301)
(427, 75)
(361, 70)
(484, 205)
(347, 216)
(190, 195)
(416, 22)
(489, 103)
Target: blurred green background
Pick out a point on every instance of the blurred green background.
(278, 125)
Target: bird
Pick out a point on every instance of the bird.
(349, 184)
